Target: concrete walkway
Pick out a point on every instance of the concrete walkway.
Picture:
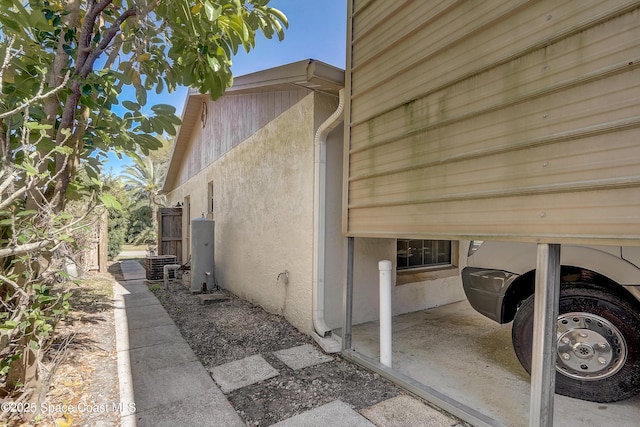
(162, 383)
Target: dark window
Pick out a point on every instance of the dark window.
(423, 253)
(210, 195)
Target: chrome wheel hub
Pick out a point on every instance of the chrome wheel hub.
(589, 347)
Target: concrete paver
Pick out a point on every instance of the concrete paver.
(137, 286)
(302, 356)
(334, 414)
(160, 356)
(146, 316)
(405, 411)
(132, 270)
(139, 299)
(192, 411)
(158, 387)
(241, 373)
(144, 337)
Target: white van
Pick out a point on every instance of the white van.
(598, 339)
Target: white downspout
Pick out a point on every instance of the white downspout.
(319, 222)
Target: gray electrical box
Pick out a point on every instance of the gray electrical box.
(202, 254)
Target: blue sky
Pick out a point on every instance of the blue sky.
(317, 29)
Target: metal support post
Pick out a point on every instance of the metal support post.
(347, 309)
(543, 363)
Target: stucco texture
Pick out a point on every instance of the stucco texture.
(406, 298)
(263, 212)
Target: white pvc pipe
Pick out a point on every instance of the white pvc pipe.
(385, 312)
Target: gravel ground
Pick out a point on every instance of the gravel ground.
(232, 329)
(85, 373)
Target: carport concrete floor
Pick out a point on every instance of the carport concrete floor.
(468, 357)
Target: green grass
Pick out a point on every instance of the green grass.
(124, 248)
(134, 247)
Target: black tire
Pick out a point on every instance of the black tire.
(580, 375)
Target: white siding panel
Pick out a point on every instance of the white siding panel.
(517, 120)
(471, 39)
(569, 62)
(608, 216)
(605, 159)
(388, 19)
(576, 111)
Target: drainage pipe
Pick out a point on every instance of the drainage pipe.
(319, 217)
(385, 313)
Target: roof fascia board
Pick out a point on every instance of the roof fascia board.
(308, 73)
(301, 73)
(290, 73)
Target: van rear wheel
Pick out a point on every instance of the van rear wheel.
(597, 345)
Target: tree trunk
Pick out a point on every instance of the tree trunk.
(24, 371)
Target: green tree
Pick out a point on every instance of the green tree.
(118, 218)
(140, 229)
(90, 51)
(144, 181)
(64, 67)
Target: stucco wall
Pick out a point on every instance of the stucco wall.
(263, 208)
(407, 297)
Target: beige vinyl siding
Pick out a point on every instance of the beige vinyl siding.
(512, 120)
